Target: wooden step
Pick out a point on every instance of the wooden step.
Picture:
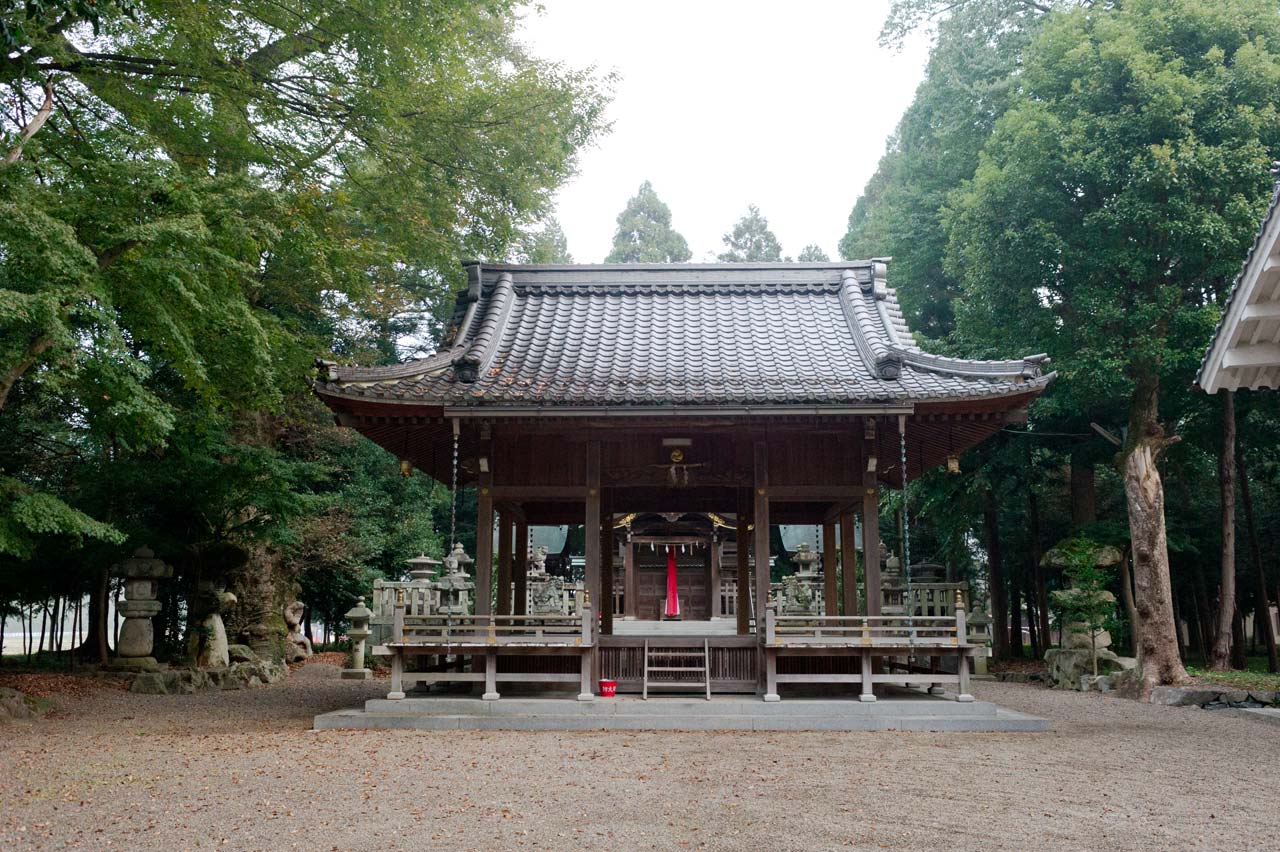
(661, 655)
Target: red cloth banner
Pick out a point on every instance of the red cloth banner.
(673, 589)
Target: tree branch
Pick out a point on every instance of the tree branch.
(41, 116)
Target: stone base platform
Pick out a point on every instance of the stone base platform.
(907, 711)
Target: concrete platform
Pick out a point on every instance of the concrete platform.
(908, 711)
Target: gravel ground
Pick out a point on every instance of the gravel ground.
(242, 770)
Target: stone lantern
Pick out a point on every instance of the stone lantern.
(422, 569)
(359, 616)
(546, 593)
(801, 589)
(456, 585)
(142, 573)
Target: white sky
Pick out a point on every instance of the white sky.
(723, 104)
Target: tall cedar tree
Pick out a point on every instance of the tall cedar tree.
(645, 234)
(751, 241)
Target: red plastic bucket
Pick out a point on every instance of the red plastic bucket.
(608, 688)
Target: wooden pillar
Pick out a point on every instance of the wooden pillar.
(760, 538)
(521, 569)
(591, 525)
(607, 548)
(484, 545)
(744, 563)
(870, 518)
(830, 582)
(713, 576)
(505, 529)
(849, 563)
(629, 585)
(871, 548)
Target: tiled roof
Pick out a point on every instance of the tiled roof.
(654, 335)
(1244, 324)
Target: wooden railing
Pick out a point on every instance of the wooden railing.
(859, 630)
(471, 630)
(891, 649)
(452, 640)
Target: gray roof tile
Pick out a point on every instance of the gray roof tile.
(770, 334)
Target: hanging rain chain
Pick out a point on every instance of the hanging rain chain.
(453, 494)
(906, 538)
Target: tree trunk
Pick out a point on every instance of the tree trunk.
(95, 646)
(44, 624)
(1239, 660)
(1255, 551)
(1144, 493)
(1130, 607)
(1220, 658)
(1015, 614)
(1033, 628)
(1201, 647)
(995, 580)
(1037, 572)
(1084, 501)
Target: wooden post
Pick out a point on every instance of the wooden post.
(605, 535)
(591, 524)
(871, 549)
(830, 581)
(760, 540)
(589, 655)
(849, 563)
(591, 530)
(629, 593)
(713, 578)
(521, 569)
(484, 545)
(743, 606)
(505, 528)
(962, 638)
(490, 675)
(868, 689)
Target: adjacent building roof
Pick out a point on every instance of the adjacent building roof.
(550, 338)
(1245, 351)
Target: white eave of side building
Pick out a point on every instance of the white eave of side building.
(1245, 352)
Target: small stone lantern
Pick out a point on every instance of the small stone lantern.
(422, 569)
(800, 591)
(359, 616)
(142, 573)
(455, 586)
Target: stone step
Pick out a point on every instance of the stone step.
(999, 721)
(680, 706)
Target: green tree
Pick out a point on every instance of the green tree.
(813, 253)
(645, 234)
(546, 245)
(751, 241)
(196, 199)
(969, 80)
(1111, 206)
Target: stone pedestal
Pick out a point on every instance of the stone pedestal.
(142, 573)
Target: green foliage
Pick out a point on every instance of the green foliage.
(1118, 193)
(813, 253)
(546, 245)
(645, 234)
(219, 194)
(968, 84)
(751, 241)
